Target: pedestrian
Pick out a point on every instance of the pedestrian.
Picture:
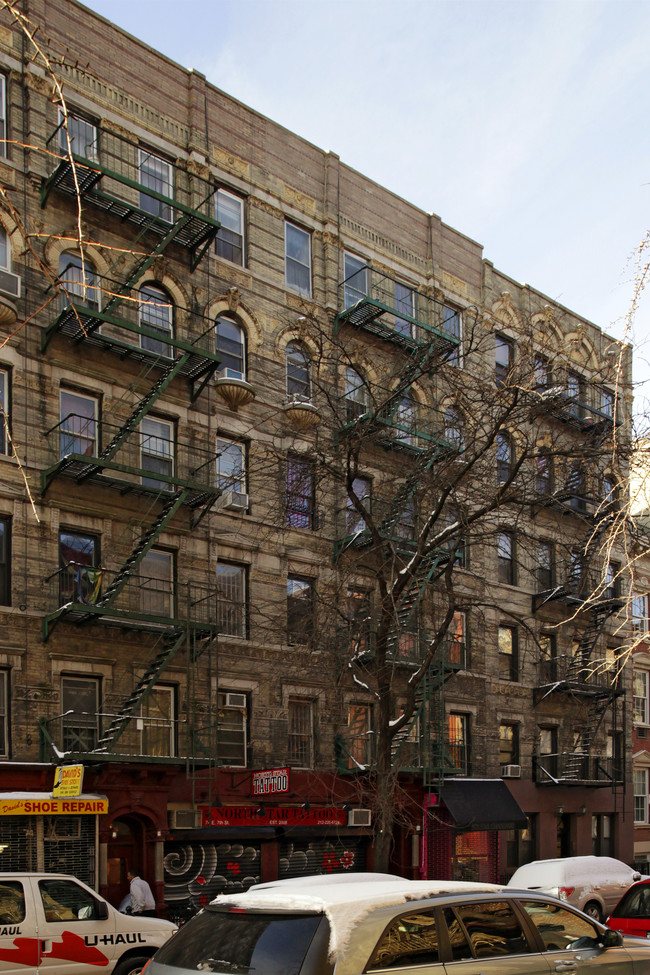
(142, 901)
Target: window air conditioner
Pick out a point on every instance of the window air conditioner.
(359, 817)
(9, 283)
(510, 771)
(233, 501)
(184, 818)
(235, 700)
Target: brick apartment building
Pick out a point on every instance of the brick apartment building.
(204, 318)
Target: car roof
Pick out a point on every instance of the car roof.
(347, 904)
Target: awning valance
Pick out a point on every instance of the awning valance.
(476, 804)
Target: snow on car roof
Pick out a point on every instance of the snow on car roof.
(346, 904)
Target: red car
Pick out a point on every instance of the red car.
(632, 913)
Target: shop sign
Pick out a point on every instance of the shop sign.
(81, 806)
(270, 782)
(273, 816)
(68, 780)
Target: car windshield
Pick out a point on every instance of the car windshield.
(239, 943)
(636, 903)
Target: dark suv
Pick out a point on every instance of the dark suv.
(318, 926)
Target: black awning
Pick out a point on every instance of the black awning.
(482, 804)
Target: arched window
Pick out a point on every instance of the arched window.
(298, 378)
(155, 315)
(77, 280)
(504, 457)
(455, 428)
(356, 395)
(230, 340)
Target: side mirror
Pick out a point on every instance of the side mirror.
(612, 939)
(101, 912)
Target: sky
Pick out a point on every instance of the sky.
(521, 123)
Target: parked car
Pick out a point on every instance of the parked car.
(592, 884)
(53, 923)
(632, 913)
(348, 928)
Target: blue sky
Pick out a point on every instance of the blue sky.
(521, 123)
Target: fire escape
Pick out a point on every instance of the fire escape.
(168, 207)
(585, 591)
(416, 328)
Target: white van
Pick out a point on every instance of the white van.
(592, 884)
(51, 924)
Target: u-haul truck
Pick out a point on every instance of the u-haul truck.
(51, 924)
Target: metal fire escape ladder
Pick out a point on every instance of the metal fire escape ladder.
(171, 642)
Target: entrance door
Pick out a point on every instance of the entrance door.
(123, 855)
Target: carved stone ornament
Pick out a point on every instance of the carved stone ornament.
(233, 297)
(234, 392)
(302, 416)
(8, 313)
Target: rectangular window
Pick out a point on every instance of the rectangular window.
(508, 744)
(301, 493)
(545, 565)
(3, 115)
(232, 729)
(359, 619)
(297, 259)
(155, 174)
(355, 280)
(80, 579)
(458, 640)
(155, 315)
(575, 394)
(640, 690)
(4, 411)
(548, 753)
(458, 739)
(548, 658)
(354, 521)
(503, 358)
(232, 607)
(508, 664)
(612, 578)
(506, 558)
(5, 561)
(80, 714)
(83, 137)
(405, 306)
(543, 375)
(640, 776)
(156, 584)
(452, 324)
(300, 610)
(231, 465)
(301, 732)
(639, 614)
(78, 424)
(157, 722)
(157, 452)
(607, 403)
(4, 713)
(360, 735)
(229, 242)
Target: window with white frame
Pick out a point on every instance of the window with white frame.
(504, 353)
(4, 713)
(155, 174)
(5, 561)
(5, 250)
(297, 259)
(231, 465)
(157, 452)
(355, 280)
(639, 614)
(640, 692)
(156, 583)
(157, 721)
(229, 211)
(405, 307)
(356, 395)
(155, 315)
(78, 426)
(5, 414)
(301, 732)
(82, 135)
(80, 713)
(452, 324)
(640, 777)
(3, 115)
(298, 372)
(232, 599)
(80, 578)
(232, 728)
(230, 344)
(354, 520)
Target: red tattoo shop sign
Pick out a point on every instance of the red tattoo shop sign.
(273, 816)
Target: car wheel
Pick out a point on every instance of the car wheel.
(593, 910)
(131, 966)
